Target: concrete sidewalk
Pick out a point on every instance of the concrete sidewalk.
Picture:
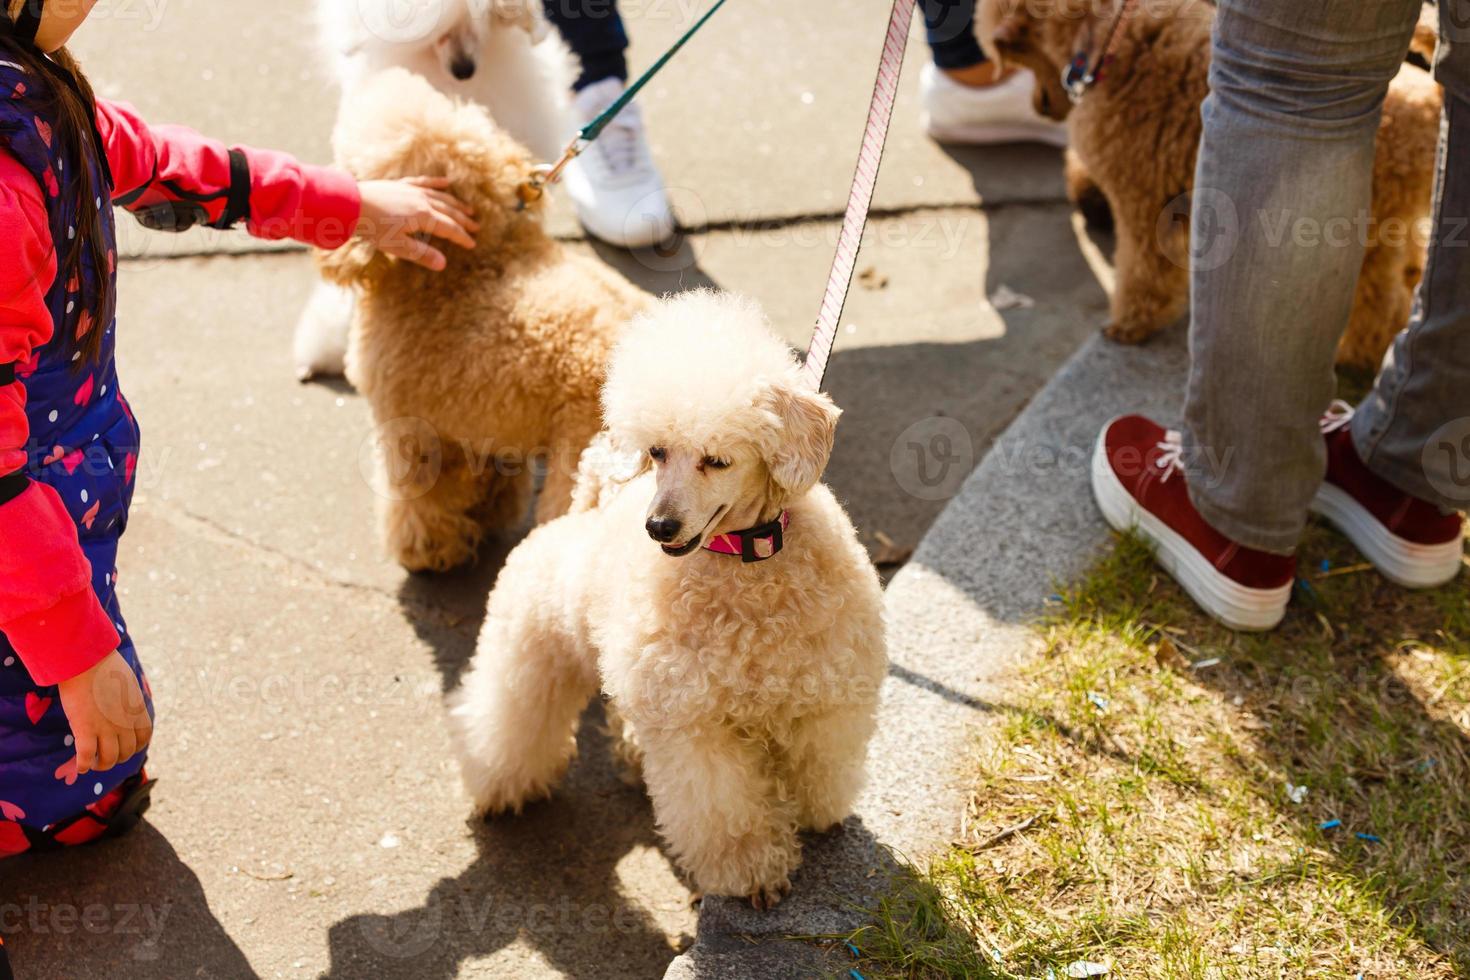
(308, 820)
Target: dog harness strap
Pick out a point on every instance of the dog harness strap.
(860, 200)
(755, 543)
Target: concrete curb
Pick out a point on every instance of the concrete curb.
(959, 617)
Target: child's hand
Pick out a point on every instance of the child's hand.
(393, 211)
(108, 716)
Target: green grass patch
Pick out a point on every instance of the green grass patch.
(1155, 799)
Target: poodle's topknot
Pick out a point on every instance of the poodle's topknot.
(698, 369)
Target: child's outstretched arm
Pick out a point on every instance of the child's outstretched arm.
(273, 193)
(48, 611)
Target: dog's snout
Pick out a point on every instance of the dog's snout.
(462, 67)
(663, 529)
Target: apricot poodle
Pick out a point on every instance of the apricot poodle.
(1135, 136)
(477, 373)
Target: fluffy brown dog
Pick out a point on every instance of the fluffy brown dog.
(476, 372)
(1136, 134)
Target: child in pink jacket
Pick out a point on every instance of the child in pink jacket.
(75, 708)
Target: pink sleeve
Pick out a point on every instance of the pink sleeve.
(287, 199)
(48, 610)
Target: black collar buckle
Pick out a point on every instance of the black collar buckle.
(774, 530)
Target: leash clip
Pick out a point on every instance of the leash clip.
(543, 175)
(1077, 79)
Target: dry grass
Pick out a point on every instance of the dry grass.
(1134, 810)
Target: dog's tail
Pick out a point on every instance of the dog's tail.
(987, 22)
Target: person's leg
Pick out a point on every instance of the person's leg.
(965, 98)
(1413, 430)
(950, 28)
(594, 31)
(1282, 195)
(615, 185)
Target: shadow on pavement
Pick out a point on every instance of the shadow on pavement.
(659, 271)
(842, 873)
(123, 908)
(548, 877)
(993, 167)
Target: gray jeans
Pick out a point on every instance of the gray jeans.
(1297, 89)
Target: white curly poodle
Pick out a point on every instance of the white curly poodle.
(749, 686)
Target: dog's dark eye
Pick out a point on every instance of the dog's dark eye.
(657, 454)
(713, 463)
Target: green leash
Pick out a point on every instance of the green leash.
(546, 174)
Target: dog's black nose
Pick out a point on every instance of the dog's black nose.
(462, 67)
(663, 529)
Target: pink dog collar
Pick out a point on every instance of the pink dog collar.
(753, 544)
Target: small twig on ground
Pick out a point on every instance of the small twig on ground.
(1346, 570)
(1004, 835)
(279, 876)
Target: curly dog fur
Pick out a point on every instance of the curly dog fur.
(750, 689)
(520, 71)
(1135, 137)
(476, 372)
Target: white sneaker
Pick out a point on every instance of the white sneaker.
(614, 184)
(1001, 113)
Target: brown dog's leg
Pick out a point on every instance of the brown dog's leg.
(424, 512)
(507, 498)
(1382, 304)
(1152, 272)
(1085, 195)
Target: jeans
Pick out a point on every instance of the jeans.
(950, 25)
(1290, 126)
(595, 33)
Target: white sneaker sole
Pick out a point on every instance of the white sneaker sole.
(1403, 562)
(1227, 601)
(1049, 135)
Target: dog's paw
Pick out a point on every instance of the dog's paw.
(1127, 333)
(767, 897)
(419, 546)
(443, 558)
(506, 794)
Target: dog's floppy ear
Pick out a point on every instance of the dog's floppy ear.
(357, 263)
(808, 426)
(996, 30)
(525, 14)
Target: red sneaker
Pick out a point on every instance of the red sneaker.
(1138, 480)
(1410, 541)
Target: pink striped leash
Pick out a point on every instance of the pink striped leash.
(860, 201)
